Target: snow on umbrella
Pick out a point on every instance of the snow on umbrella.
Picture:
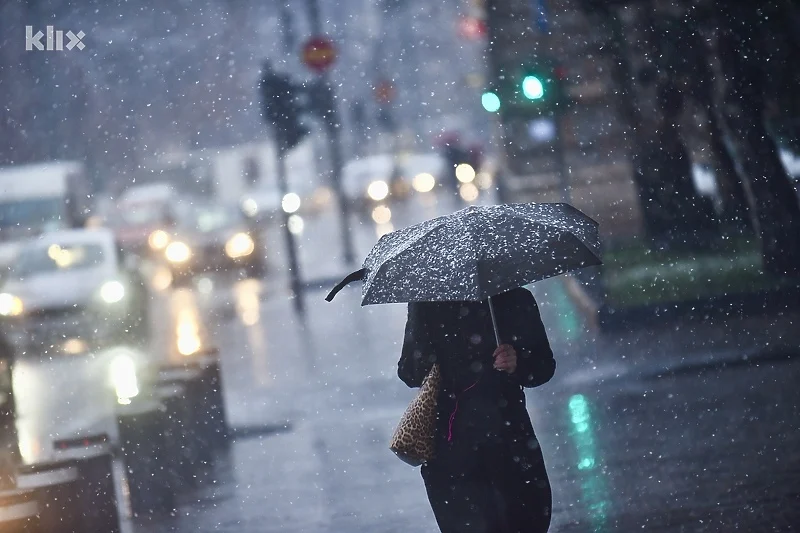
(476, 253)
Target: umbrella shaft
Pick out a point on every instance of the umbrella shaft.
(494, 321)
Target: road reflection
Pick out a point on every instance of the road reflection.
(247, 299)
(189, 334)
(593, 486)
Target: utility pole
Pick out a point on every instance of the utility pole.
(328, 104)
(291, 243)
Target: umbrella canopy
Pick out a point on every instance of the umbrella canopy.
(476, 253)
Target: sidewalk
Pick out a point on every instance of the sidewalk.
(671, 347)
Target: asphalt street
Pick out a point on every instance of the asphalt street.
(685, 428)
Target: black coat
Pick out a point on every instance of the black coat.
(484, 440)
(459, 337)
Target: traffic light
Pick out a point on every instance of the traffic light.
(490, 101)
(532, 89)
(281, 107)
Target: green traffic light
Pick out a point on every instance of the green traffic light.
(490, 102)
(532, 88)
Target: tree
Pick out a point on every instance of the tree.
(746, 47)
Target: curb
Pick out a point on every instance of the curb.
(776, 354)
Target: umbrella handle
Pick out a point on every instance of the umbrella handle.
(494, 321)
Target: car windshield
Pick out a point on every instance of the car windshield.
(208, 219)
(40, 259)
(31, 214)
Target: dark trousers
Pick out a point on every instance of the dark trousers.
(489, 488)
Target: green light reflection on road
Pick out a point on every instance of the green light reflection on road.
(593, 484)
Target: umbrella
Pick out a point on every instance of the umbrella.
(476, 253)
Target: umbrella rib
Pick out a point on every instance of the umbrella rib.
(409, 242)
(398, 253)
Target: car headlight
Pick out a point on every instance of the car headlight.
(378, 190)
(465, 173)
(291, 202)
(240, 245)
(178, 252)
(250, 207)
(10, 305)
(158, 240)
(112, 292)
(423, 182)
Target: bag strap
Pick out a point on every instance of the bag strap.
(455, 410)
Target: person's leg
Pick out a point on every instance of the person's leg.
(525, 499)
(459, 493)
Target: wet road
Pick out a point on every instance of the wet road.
(314, 401)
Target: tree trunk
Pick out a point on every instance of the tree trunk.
(770, 193)
(735, 212)
(638, 141)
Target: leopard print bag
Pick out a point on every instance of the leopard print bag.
(413, 439)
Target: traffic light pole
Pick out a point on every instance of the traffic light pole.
(561, 157)
(291, 243)
(336, 177)
(334, 143)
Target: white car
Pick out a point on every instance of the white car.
(367, 178)
(374, 181)
(72, 288)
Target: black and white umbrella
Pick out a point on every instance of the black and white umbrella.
(476, 253)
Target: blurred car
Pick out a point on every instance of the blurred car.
(373, 181)
(423, 170)
(143, 218)
(73, 285)
(213, 237)
(261, 205)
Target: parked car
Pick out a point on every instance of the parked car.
(212, 237)
(70, 285)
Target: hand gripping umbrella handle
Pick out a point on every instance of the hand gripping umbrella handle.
(494, 321)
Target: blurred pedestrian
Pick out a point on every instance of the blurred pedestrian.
(488, 472)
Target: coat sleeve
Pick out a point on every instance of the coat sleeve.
(535, 361)
(417, 356)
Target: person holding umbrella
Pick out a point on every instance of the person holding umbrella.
(488, 473)
(474, 339)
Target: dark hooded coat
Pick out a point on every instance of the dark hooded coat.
(488, 474)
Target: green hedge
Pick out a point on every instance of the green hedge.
(636, 275)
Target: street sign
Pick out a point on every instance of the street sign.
(318, 54)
